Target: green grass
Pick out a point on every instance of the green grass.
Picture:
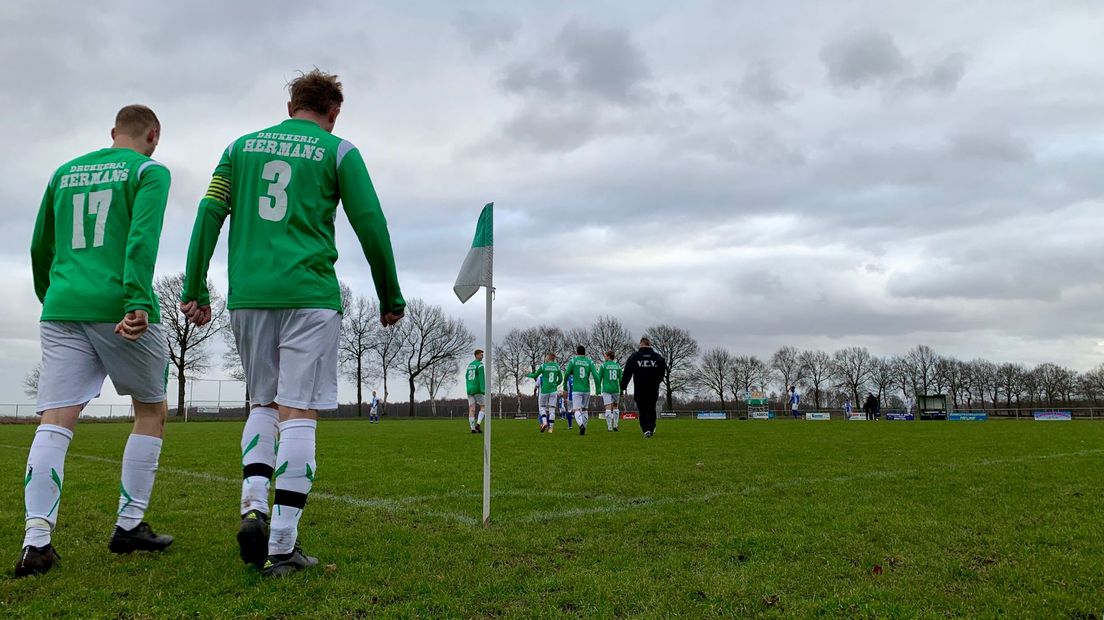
(707, 519)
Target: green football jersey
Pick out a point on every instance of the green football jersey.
(550, 377)
(280, 187)
(610, 373)
(477, 381)
(581, 368)
(96, 237)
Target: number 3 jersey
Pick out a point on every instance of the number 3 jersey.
(96, 237)
(280, 186)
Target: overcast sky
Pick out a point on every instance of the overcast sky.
(819, 174)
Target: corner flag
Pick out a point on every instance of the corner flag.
(479, 263)
(477, 271)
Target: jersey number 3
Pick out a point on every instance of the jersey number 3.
(98, 204)
(273, 205)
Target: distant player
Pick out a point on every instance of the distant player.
(795, 402)
(564, 405)
(580, 369)
(476, 380)
(610, 387)
(280, 187)
(549, 377)
(847, 409)
(92, 255)
(373, 412)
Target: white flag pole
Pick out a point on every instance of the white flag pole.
(488, 371)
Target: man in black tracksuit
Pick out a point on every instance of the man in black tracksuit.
(645, 369)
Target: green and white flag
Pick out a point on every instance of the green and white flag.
(479, 263)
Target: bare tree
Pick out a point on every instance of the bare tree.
(715, 374)
(510, 357)
(787, 367)
(431, 338)
(902, 376)
(680, 350)
(578, 336)
(986, 380)
(921, 364)
(818, 370)
(443, 374)
(854, 368)
(1051, 380)
(882, 377)
(188, 343)
(384, 350)
(541, 340)
(609, 334)
(949, 373)
(30, 381)
(1092, 384)
(1010, 377)
(748, 372)
(358, 327)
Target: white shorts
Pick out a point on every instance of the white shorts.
(610, 399)
(549, 401)
(77, 357)
(475, 400)
(580, 401)
(289, 356)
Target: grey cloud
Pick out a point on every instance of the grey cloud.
(483, 31)
(606, 62)
(761, 85)
(864, 59)
(940, 78)
(990, 144)
(600, 63)
(872, 59)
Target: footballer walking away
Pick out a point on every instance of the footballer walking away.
(92, 255)
(280, 187)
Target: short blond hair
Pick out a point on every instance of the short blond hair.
(135, 120)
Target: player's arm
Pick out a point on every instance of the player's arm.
(362, 207)
(481, 375)
(567, 373)
(213, 209)
(42, 243)
(146, 220)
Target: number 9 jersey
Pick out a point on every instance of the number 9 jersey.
(96, 238)
(280, 186)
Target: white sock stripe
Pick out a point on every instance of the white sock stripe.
(53, 428)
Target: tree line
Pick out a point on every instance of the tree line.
(426, 349)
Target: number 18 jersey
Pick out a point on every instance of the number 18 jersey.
(280, 187)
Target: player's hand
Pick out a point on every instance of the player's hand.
(197, 314)
(133, 325)
(388, 319)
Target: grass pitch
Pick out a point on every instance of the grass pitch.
(707, 519)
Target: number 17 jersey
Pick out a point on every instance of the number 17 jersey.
(280, 187)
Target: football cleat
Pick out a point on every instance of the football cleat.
(616, 430)
(287, 563)
(36, 560)
(141, 538)
(582, 429)
(253, 538)
(647, 434)
(478, 428)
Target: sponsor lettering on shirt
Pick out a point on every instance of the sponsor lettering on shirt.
(285, 145)
(94, 174)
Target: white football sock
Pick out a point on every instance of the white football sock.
(616, 417)
(580, 418)
(42, 484)
(480, 421)
(258, 444)
(139, 470)
(471, 422)
(294, 478)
